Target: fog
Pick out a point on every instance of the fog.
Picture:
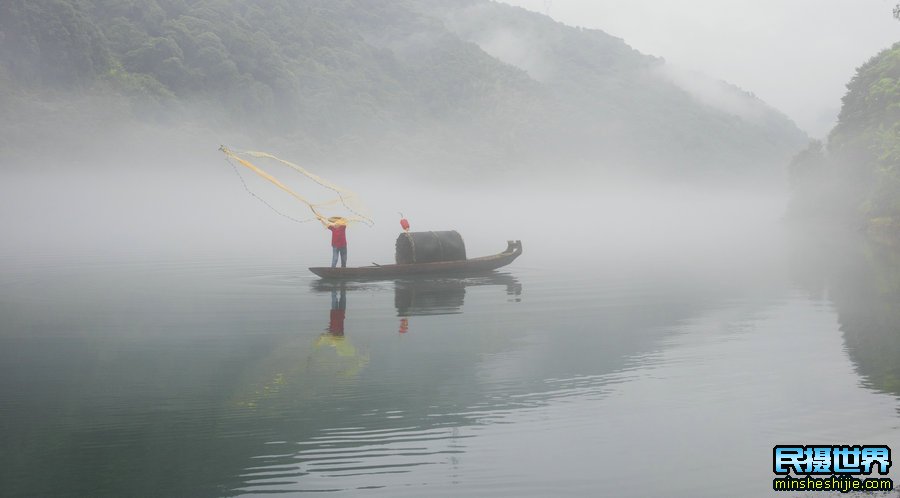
(172, 196)
(797, 56)
(96, 184)
(714, 93)
(161, 328)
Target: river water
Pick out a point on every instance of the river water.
(609, 376)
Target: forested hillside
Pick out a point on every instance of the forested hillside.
(855, 176)
(445, 82)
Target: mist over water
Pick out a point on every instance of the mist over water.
(161, 334)
(643, 317)
(162, 201)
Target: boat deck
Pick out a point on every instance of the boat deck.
(462, 267)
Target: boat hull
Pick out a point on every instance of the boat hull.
(462, 267)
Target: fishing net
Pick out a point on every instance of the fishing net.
(322, 198)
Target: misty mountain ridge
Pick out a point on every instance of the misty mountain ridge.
(457, 85)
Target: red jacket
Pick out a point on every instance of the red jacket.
(338, 235)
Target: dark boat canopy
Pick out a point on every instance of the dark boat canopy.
(430, 247)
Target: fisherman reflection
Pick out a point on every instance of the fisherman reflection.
(338, 312)
(334, 336)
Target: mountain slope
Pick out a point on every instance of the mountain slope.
(451, 82)
(855, 177)
(617, 99)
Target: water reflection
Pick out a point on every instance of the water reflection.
(335, 339)
(422, 297)
(861, 279)
(225, 381)
(338, 312)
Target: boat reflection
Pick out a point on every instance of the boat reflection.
(418, 297)
(422, 296)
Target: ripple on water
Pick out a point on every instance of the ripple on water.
(351, 456)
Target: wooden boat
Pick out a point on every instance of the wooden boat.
(471, 266)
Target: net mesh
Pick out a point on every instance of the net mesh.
(323, 198)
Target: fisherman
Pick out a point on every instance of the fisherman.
(338, 227)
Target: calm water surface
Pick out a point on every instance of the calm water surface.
(622, 378)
